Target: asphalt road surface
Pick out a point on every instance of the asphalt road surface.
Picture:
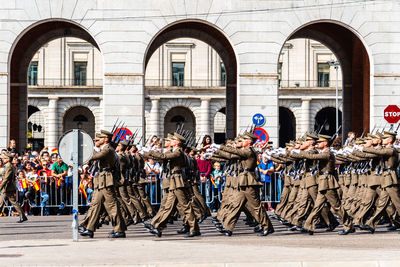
(48, 240)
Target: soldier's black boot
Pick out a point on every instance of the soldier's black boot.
(87, 233)
(155, 232)
(265, 232)
(193, 234)
(118, 235)
(185, 229)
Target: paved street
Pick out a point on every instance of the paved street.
(47, 241)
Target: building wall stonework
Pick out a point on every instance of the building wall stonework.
(124, 30)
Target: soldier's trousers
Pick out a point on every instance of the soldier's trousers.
(145, 199)
(11, 198)
(201, 200)
(291, 200)
(155, 221)
(135, 200)
(107, 197)
(250, 197)
(368, 203)
(311, 196)
(225, 203)
(197, 208)
(174, 197)
(382, 204)
(284, 200)
(333, 199)
(130, 209)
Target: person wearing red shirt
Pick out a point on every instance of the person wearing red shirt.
(205, 169)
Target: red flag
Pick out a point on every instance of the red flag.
(83, 190)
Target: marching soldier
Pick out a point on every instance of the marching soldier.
(327, 188)
(105, 187)
(177, 196)
(8, 187)
(248, 186)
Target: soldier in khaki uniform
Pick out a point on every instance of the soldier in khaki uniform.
(141, 186)
(310, 187)
(125, 201)
(248, 189)
(176, 194)
(8, 187)
(327, 188)
(105, 187)
(389, 184)
(155, 221)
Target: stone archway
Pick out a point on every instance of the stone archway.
(325, 121)
(287, 126)
(209, 34)
(176, 117)
(355, 64)
(79, 117)
(21, 53)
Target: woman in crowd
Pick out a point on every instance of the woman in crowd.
(206, 143)
(205, 169)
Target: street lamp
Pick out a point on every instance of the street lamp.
(336, 64)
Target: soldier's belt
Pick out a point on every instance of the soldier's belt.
(389, 169)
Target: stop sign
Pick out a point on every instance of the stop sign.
(392, 114)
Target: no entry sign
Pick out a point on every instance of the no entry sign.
(122, 134)
(262, 137)
(392, 114)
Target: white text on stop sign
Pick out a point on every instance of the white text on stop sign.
(392, 114)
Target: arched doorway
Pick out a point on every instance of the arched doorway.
(21, 54)
(219, 126)
(79, 117)
(287, 126)
(325, 121)
(209, 34)
(179, 116)
(35, 128)
(355, 65)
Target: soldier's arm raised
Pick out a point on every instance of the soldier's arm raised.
(243, 153)
(102, 154)
(387, 151)
(319, 156)
(167, 155)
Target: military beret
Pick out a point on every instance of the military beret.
(105, 134)
(323, 138)
(249, 136)
(387, 134)
(178, 137)
(310, 137)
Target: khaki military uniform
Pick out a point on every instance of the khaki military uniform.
(8, 189)
(327, 190)
(141, 187)
(105, 194)
(176, 192)
(126, 203)
(389, 183)
(248, 191)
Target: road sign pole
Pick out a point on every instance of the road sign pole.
(75, 181)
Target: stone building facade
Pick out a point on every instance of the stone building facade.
(248, 36)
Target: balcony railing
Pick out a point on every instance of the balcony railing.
(309, 83)
(198, 83)
(65, 83)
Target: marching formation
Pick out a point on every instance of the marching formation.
(356, 184)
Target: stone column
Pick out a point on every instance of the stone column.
(52, 123)
(205, 121)
(154, 118)
(305, 121)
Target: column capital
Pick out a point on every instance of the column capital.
(53, 98)
(155, 98)
(306, 99)
(205, 98)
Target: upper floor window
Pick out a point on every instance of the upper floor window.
(178, 73)
(323, 75)
(223, 75)
(32, 73)
(80, 70)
